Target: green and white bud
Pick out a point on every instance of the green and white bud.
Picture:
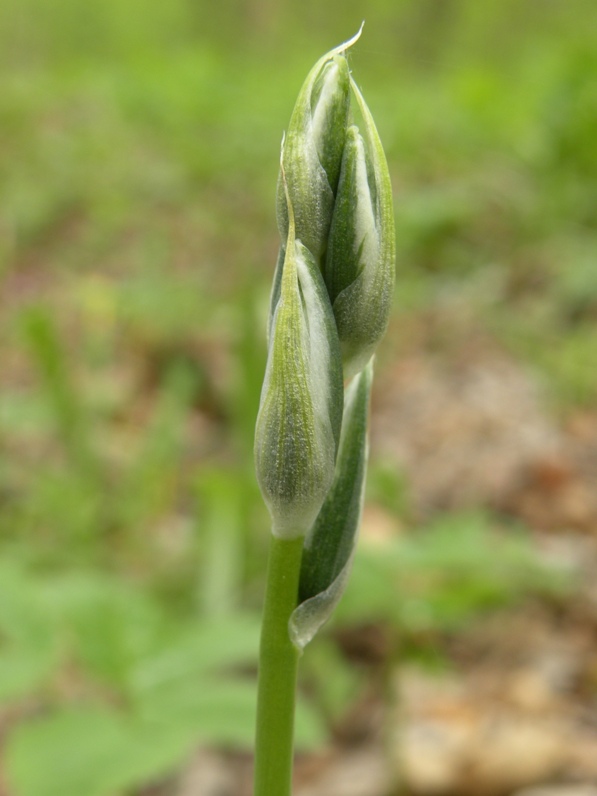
(313, 150)
(298, 426)
(359, 266)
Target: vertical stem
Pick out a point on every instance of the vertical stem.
(278, 664)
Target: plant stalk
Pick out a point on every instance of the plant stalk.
(278, 664)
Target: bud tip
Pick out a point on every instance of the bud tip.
(345, 45)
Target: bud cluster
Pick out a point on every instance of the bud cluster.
(330, 307)
(339, 187)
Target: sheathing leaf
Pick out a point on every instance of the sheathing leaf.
(330, 545)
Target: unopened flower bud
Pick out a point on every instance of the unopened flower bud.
(359, 267)
(313, 151)
(298, 426)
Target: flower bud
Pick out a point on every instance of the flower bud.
(298, 426)
(313, 151)
(359, 267)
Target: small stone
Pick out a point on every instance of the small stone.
(209, 775)
(362, 773)
(572, 789)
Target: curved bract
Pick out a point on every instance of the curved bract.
(330, 545)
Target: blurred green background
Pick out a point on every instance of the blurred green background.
(139, 149)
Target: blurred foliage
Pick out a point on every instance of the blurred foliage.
(120, 678)
(451, 572)
(138, 161)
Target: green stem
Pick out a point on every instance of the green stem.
(278, 664)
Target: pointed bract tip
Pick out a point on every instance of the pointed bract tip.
(349, 42)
